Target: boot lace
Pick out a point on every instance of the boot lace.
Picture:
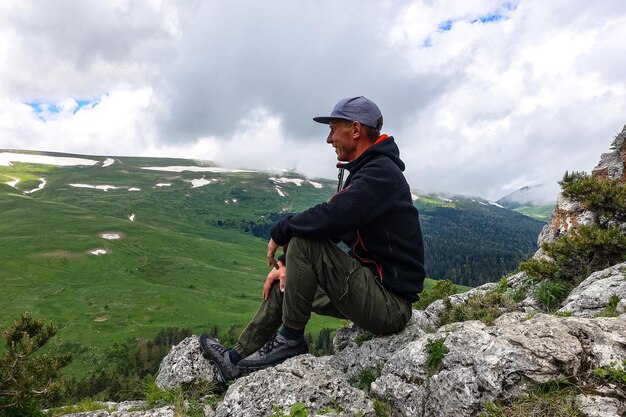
(269, 346)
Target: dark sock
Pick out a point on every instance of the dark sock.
(291, 333)
(234, 356)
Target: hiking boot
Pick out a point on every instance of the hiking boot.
(276, 350)
(216, 353)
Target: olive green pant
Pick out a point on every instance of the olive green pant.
(322, 278)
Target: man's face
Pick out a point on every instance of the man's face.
(341, 137)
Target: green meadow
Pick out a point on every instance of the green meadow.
(184, 261)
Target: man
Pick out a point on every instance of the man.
(373, 284)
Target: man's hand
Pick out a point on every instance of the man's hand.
(272, 247)
(277, 273)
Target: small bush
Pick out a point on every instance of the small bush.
(365, 379)
(81, 406)
(604, 196)
(27, 378)
(442, 289)
(484, 307)
(363, 337)
(611, 309)
(436, 350)
(296, 410)
(550, 294)
(555, 399)
(613, 373)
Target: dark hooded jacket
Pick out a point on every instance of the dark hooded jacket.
(374, 215)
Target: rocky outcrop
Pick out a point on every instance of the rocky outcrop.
(612, 164)
(497, 362)
(127, 409)
(594, 294)
(184, 365)
(568, 214)
(304, 379)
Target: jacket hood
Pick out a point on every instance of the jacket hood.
(386, 147)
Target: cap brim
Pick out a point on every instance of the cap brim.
(327, 119)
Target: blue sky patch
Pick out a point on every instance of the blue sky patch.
(445, 26)
(43, 108)
(490, 17)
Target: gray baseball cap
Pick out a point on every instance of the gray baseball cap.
(359, 109)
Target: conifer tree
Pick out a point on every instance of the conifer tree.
(26, 378)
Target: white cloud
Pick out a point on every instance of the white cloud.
(482, 96)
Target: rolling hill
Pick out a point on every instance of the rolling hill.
(117, 248)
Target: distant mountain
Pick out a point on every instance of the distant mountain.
(535, 201)
(471, 240)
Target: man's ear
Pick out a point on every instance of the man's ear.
(356, 129)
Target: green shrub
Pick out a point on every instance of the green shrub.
(26, 378)
(363, 337)
(296, 410)
(382, 408)
(550, 294)
(604, 196)
(436, 350)
(442, 289)
(485, 307)
(613, 373)
(584, 250)
(611, 309)
(553, 399)
(576, 255)
(79, 407)
(365, 379)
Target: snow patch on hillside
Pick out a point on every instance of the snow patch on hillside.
(13, 183)
(280, 192)
(7, 157)
(296, 181)
(194, 169)
(134, 189)
(164, 184)
(495, 204)
(108, 162)
(97, 187)
(110, 236)
(40, 187)
(99, 252)
(200, 182)
(132, 217)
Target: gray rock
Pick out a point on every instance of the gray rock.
(184, 364)
(434, 310)
(306, 379)
(596, 406)
(567, 214)
(593, 294)
(611, 164)
(127, 409)
(352, 356)
(497, 362)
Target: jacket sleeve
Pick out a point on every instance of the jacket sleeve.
(369, 193)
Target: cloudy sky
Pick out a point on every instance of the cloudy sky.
(483, 97)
